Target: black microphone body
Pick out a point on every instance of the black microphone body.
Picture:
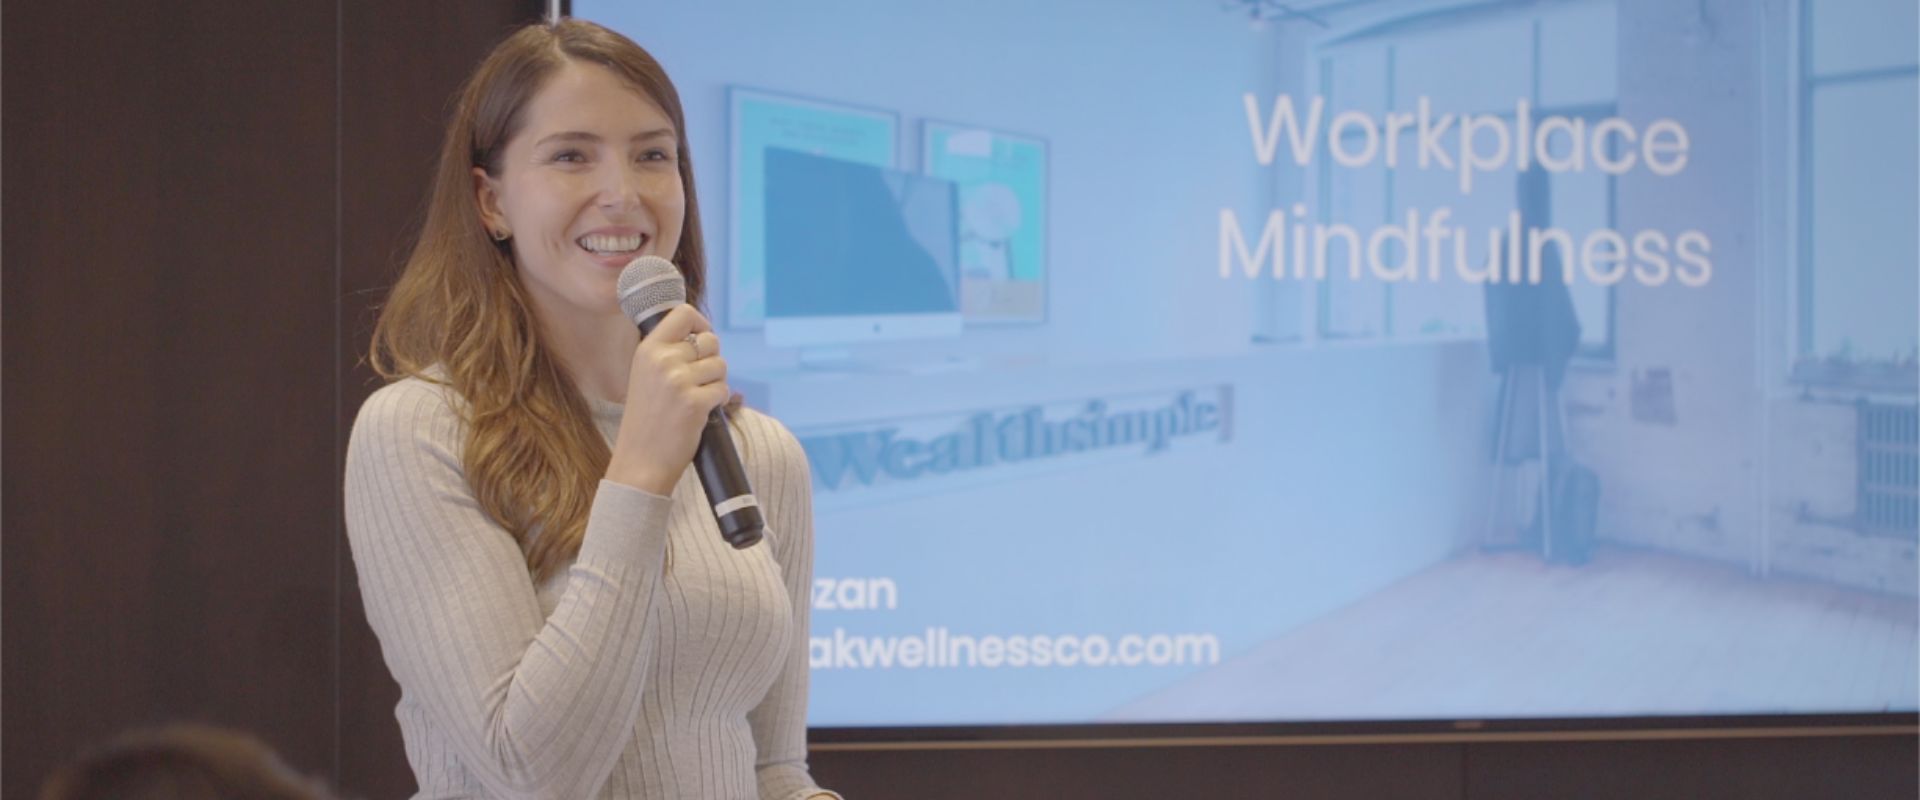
(724, 478)
(722, 475)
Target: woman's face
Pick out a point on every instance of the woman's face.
(590, 182)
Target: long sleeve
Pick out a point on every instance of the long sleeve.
(781, 478)
(530, 706)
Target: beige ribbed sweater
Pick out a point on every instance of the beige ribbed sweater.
(618, 678)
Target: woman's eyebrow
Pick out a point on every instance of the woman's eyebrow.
(568, 136)
(593, 138)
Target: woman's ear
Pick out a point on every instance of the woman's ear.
(486, 195)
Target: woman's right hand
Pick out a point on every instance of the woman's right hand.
(676, 378)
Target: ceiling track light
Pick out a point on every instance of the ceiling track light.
(1260, 13)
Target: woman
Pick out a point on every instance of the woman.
(547, 584)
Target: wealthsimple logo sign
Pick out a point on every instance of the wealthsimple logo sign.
(948, 450)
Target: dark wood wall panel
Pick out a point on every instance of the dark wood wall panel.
(1858, 768)
(1796, 768)
(1325, 772)
(169, 493)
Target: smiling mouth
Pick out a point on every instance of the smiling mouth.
(613, 245)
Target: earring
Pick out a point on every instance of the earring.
(500, 236)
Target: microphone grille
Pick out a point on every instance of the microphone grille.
(649, 285)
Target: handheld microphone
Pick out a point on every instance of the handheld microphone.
(650, 287)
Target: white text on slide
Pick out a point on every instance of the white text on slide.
(939, 648)
(1432, 240)
(855, 594)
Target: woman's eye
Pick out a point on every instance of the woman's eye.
(570, 156)
(656, 155)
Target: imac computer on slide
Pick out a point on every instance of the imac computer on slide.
(857, 253)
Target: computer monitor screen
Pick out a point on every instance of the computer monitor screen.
(857, 252)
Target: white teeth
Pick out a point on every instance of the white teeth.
(612, 244)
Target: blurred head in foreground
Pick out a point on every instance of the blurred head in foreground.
(181, 762)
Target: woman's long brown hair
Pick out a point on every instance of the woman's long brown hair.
(459, 315)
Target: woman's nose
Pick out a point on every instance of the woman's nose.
(619, 188)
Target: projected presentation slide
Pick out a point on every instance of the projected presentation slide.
(1177, 361)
